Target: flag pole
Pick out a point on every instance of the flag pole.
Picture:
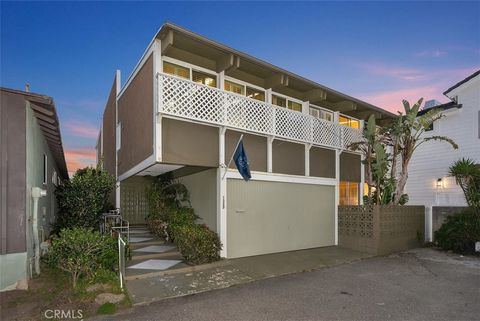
(231, 158)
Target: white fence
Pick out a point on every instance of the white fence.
(187, 99)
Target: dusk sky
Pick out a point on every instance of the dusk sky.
(379, 52)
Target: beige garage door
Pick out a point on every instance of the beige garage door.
(268, 217)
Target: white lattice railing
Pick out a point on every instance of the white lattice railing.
(187, 99)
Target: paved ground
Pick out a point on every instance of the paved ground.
(155, 286)
(417, 285)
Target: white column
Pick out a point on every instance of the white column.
(306, 107)
(222, 194)
(221, 80)
(307, 159)
(337, 191)
(118, 87)
(362, 169)
(269, 154)
(157, 98)
(268, 95)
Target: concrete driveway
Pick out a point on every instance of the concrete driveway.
(417, 285)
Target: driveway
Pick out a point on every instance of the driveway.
(417, 285)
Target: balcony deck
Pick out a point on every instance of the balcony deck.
(189, 100)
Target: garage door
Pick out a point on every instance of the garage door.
(268, 217)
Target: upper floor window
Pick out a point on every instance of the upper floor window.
(349, 193)
(349, 122)
(176, 70)
(241, 89)
(321, 113)
(286, 103)
(255, 94)
(234, 87)
(204, 78)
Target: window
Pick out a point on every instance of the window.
(54, 178)
(349, 122)
(119, 136)
(234, 87)
(349, 193)
(45, 169)
(284, 102)
(255, 94)
(321, 113)
(176, 70)
(204, 79)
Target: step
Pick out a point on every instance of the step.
(149, 256)
(146, 243)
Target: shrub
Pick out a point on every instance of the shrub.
(197, 243)
(158, 227)
(83, 199)
(459, 232)
(82, 252)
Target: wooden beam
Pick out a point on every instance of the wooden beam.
(167, 41)
(42, 123)
(228, 62)
(366, 114)
(276, 80)
(315, 95)
(345, 105)
(41, 109)
(45, 118)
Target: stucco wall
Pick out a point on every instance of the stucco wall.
(267, 217)
(203, 195)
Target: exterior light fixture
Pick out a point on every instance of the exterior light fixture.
(439, 183)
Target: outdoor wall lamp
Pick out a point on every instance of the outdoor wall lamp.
(439, 183)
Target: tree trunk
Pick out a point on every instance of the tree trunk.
(402, 181)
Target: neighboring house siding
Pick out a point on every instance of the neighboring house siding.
(135, 114)
(108, 134)
(12, 173)
(322, 162)
(288, 158)
(255, 147)
(203, 195)
(350, 167)
(432, 159)
(188, 143)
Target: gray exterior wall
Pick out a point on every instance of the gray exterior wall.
(108, 134)
(350, 167)
(203, 195)
(12, 173)
(288, 158)
(255, 146)
(322, 162)
(188, 143)
(135, 113)
(267, 217)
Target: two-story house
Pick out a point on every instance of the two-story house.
(183, 109)
(429, 183)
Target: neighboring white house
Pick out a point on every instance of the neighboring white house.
(428, 183)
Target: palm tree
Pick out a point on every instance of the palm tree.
(408, 136)
(467, 175)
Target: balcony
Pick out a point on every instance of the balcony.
(189, 100)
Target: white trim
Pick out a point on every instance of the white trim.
(307, 159)
(222, 193)
(157, 101)
(137, 68)
(337, 191)
(149, 161)
(273, 177)
(270, 140)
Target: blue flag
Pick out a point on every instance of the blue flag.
(240, 158)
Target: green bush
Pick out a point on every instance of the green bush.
(82, 252)
(459, 232)
(197, 243)
(82, 200)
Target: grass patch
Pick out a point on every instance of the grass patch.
(107, 308)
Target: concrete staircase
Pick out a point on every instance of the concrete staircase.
(150, 254)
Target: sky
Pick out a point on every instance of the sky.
(380, 52)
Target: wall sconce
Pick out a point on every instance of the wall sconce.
(439, 183)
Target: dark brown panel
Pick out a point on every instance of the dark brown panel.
(188, 143)
(135, 113)
(12, 173)
(108, 136)
(255, 146)
(322, 162)
(288, 158)
(350, 167)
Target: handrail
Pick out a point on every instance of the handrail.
(187, 99)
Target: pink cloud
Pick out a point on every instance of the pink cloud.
(79, 157)
(398, 72)
(431, 53)
(81, 129)
(392, 100)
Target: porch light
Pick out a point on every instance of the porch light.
(439, 182)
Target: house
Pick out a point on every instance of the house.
(183, 109)
(428, 183)
(32, 165)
